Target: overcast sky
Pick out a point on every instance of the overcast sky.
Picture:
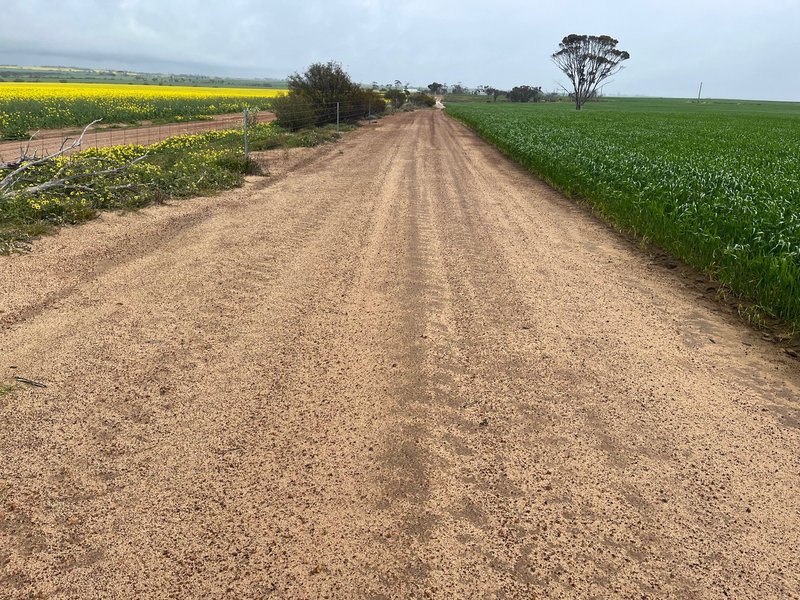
(738, 48)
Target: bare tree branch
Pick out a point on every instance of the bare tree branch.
(25, 165)
(23, 180)
(66, 182)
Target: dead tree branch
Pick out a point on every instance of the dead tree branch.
(23, 180)
(66, 182)
(25, 164)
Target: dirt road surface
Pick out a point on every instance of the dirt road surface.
(406, 369)
(51, 140)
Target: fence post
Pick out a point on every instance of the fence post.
(337, 117)
(246, 149)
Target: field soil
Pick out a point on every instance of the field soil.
(100, 136)
(401, 368)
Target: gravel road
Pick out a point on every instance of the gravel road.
(401, 368)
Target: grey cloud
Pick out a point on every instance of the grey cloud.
(729, 44)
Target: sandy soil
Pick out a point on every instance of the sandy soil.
(51, 140)
(403, 369)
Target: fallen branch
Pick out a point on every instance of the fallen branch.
(26, 180)
(65, 182)
(26, 164)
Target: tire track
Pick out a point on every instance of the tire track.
(405, 369)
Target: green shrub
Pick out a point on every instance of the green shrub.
(294, 112)
(324, 94)
(420, 99)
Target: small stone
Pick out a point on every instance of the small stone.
(793, 353)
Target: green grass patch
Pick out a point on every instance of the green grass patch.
(715, 183)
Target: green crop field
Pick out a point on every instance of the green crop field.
(716, 184)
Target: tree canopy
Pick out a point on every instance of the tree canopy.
(323, 83)
(525, 93)
(435, 87)
(587, 60)
(492, 91)
(324, 93)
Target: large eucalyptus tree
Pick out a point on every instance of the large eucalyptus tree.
(587, 60)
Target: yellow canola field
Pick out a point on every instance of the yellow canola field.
(25, 91)
(26, 107)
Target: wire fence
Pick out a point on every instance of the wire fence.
(306, 114)
(48, 142)
(299, 114)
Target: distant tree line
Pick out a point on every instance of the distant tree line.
(400, 98)
(525, 93)
(587, 60)
(76, 75)
(520, 93)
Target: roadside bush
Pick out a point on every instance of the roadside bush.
(420, 99)
(373, 102)
(314, 96)
(396, 97)
(294, 112)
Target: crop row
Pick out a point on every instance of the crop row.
(719, 189)
(27, 107)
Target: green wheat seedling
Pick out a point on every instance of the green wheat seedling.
(716, 185)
